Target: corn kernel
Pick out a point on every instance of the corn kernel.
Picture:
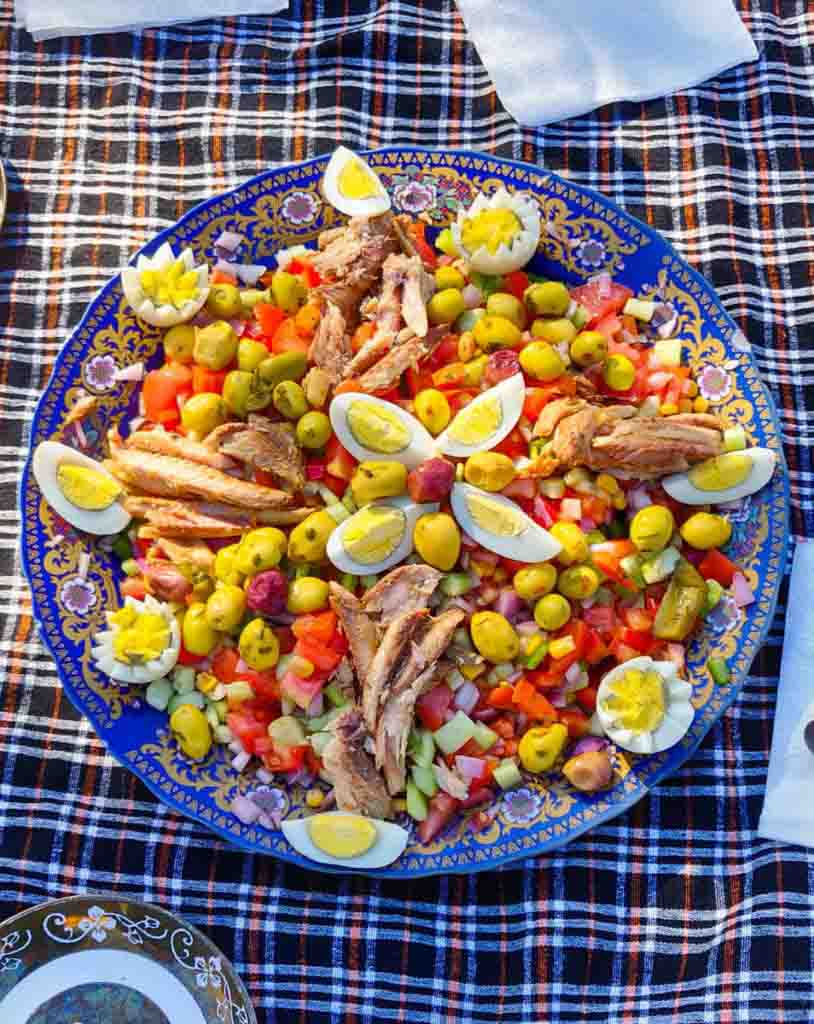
(535, 642)
(668, 409)
(685, 405)
(400, 806)
(205, 682)
(314, 798)
(466, 346)
(690, 388)
(619, 501)
(500, 575)
(700, 404)
(607, 483)
(561, 646)
(472, 671)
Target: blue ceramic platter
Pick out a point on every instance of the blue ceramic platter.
(584, 234)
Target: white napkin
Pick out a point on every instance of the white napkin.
(552, 59)
(46, 19)
(788, 808)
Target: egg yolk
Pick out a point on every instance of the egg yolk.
(342, 835)
(377, 428)
(87, 488)
(637, 700)
(374, 534)
(138, 637)
(491, 228)
(721, 472)
(172, 286)
(356, 181)
(477, 422)
(493, 517)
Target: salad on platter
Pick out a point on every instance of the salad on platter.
(403, 522)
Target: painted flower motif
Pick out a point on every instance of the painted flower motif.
(714, 383)
(414, 197)
(209, 971)
(724, 616)
(97, 924)
(100, 373)
(78, 595)
(590, 253)
(272, 801)
(300, 207)
(521, 806)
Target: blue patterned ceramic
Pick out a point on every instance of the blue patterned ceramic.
(583, 234)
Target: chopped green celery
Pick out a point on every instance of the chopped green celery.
(183, 679)
(348, 502)
(467, 320)
(223, 734)
(421, 747)
(319, 741)
(714, 594)
(370, 581)
(486, 283)
(196, 699)
(158, 694)
(668, 351)
(122, 548)
(348, 580)
(424, 778)
(239, 691)
(455, 680)
(321, 722)
(327, 495)
(640, 309)
(337, 511)
(507, 774)
(580, 316)
(455, 733)
(660, 566)
(719, 670)
(222, 708)
(734, 439)
(416, 803)
(537, 656)
(335, 695)
(454, 584)
(462, 639)
(553, 488)
(484, 736)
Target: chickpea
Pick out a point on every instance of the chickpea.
(652, 527)
(541, 361)
(225, 607)
(535, 581)
(191, 729)
(508, 306)
(589, 347)
(494, 637)
(258, 646)
(554, 331)
(491, 332)
(307, 594)
(198, 636)
(260, 550)
(547, 298)
(552, 612)
(179, 343)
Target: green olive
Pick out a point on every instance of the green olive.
(286, 366)
(236, 388)
(535, 581)
(577, 582)
(289, 400)
(589, 347)
(288, 291)
(508, 306)
(619, 373)
(552, 611)
(191, 729)
(449, 277)
(224, 565)
(313, 430)
(547, 298)
(199, 637)
(706, 530)
(445, 306)
(215, 345)
(493, 332)
(249, 298)
(201, 413)
(250, 354)
(372, 481)
(541, 361)
(225, 607)
(651, 529)
(259, 646)
(223, 301)
(307, 594)
(554, 331)
(260, 550)
(179, 343)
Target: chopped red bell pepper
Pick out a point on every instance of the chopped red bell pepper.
(285, 759)
(206, 380)
(323, 658)
(576, 722)
(186, 657)
(586, 698)
(501, 696)
(601, 298)
(224, 664)
(534, 704)
(515, 283)
(718, 567)
(639, 641)
(339, 461)
(317, 628)
(269, 317)
(441, 809)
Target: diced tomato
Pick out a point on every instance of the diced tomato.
(417, 380)
(335, 484)
(578, 632)
(389, 394)
(609, 325)
(224, 664)
(285, 759)
(264, 684)
(639, 641)
(134, 586)
(546, 511)
(601, 617)
(514, 445)
(544, 679)
(417, 232)
(318, 628)
(445, 352)
(441, 809)
(302, 691)
(250, 721)
(622, 651)
(169, 419)
(576, 722)
(638, 618)
(351, 384)
(305, 270)
(431, 708)
(717, 566)
(288, 339)
(538, 397)
(521, 487)
(160, 393)
(339, 461)
(206, 380)
(586, 698)
(609, 565)
(617, 548)
(601, 299)
(269, 317)
(534, 704)
(322, 658)
(221, 277)
(501, 696)
(595, 649)
(515, 283)
(594, 507)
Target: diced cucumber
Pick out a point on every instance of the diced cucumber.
(321, 722)
(455, 733)
(183, 679)
(349, 503)
(553, 488)
(467, 320)
(632, 568)
(486, 283)
(319, 741)
(348, 580)
(178, 699)
(455, 680)
(580, 317)
(455, 584)
(484, 736)
(238, 691)
(734, 439)
(223, 734)
(335, 695)
(640, 309)
(122, 548)
(660, 566)
(462, 639)
(212, 715)
(714, 594)
(507, 774)
(221, 707)
(370, 581)
(667, 351)
(416, 803)
(424, 778)
(421, 747)
(287, 731)
(158, 694)
(337, 511)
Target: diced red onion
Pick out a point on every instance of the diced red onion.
(526, 628)
(571, 508)
(236, 747)
(223, 267)
(741, 591)
(316, 707)
(201, 319)
(586, 524)
(541, 512)
(509, 604)
(216, 543)
(239, 761)
(301, 777)
(237, 326)
(473, 296)
(486, 715)
(464, 560)
(466, 697)
(515, 676)
(587, 745)
(229, 240)
(450, 782)
(242, 666)
(464, 605)
(600, 617)
(557, 698)
(250, 273)
(521, 722)
(264, 775)
(133, 372)
(282, 619)
(573, 673)
(469, 768)
(245, 810)
(668, 329)
(638, 498)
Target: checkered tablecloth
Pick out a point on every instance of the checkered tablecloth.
(675, 912)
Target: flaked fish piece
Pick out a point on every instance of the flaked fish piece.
(387, 372)
(358, 786)
(394, 646)
(554, 412)
(263, 445)
(405, 589)
(190, 520)
(344, 679)
(169, 477)
(331, 349)
(358, 627)
(283, 516)
(194, 553)
(161, 442)
(419, 288)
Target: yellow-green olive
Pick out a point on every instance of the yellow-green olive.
(554, 331)
(535, 581)
(552, 612)
(619, 372)
(307, 594)
(438, 540)
(541, 361)
(313, 430)
(179, 343)
(224, 302)
(236, 388)
(225, 607)
(289, 400)
(432, 408)
(491, 332)
(191, 729)
(199, 637)
(201, 413)
(288, 291)
(215, 345)
(259, 550)
(573, 540)
(286, 366)
(589, 347)
(445, 306)
(449, 277)
(259, 646)
(372, 481)
(250, 354)
(494, 637)
(578, 582)
(508, 306)
(224, 565)
(307, 541)
(491, 471)
(547, 298)
(706, 530)
(249, 298)
(652, 527)
(540, 747)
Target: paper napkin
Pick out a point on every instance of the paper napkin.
(552, 59)
(788, 808)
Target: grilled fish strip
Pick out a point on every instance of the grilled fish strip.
(160, 442)
(331, 348)
(358, 627)
(406, 589)
(358, 787)
(263, 445)
(394, 647)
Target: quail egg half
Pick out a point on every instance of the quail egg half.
(79, 489)
(500, 525)
(726, 477)
(352, 186)
(376, 537)
(348, 840)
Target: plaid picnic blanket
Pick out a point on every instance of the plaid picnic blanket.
(675, 912)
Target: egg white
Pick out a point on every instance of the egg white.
(523, 246)
(420, 447)
(370, 207)
(680, 487)
(48, 457)
(389, 845)
(156, 668)
(534, 544)
(678, 712)
(166, 315)
(511, 394)
(412, 512)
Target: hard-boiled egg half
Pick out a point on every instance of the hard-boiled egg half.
(643, 706)
(486, 420)
(376, 537)
(349, 840)
(352, 186)
(500, 525)
(498, 233)
(726, 477)
(374, 430)
(164, 290)
(79, 489)
(141, 642)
